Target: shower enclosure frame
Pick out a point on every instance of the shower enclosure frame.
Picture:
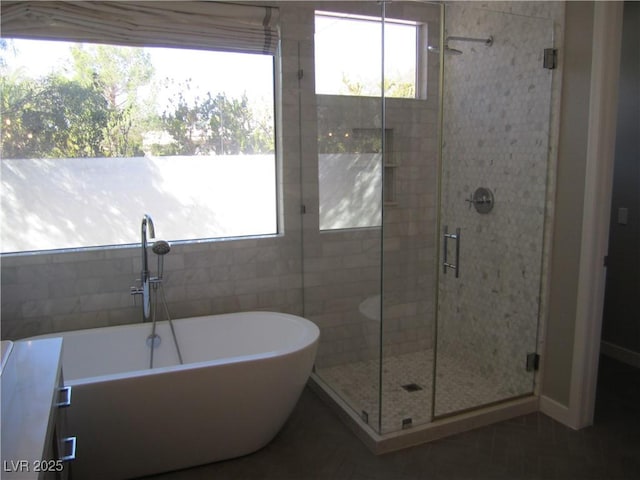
(440, 425)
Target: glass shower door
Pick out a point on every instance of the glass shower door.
(342, 193)
(370, 259)
(496, 109)
(410, 219)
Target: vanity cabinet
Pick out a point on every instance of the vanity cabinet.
(35, 441)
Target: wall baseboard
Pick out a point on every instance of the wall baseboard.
(561, 413)
(621, 354)
(557, 411)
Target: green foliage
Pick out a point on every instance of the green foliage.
(214, 125)
(393, 87)
(336, 135)
(118, 73)
(356, 88)
(96, 110)
(399, 89)
(51, 118)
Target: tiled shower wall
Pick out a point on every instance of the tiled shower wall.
(66, 291)
(342, 268)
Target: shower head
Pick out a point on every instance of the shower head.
(447, 50)
(454, 51)
(161, 247)
(488, 41)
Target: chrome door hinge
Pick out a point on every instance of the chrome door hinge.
(550, 58)
(533, 362)
(364, 416)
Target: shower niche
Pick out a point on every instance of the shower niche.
(403, 345)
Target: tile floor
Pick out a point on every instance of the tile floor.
(314, 444)
(459, 386)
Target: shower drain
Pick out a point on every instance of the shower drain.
(411, 387)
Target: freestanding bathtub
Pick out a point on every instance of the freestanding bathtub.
(242, 376)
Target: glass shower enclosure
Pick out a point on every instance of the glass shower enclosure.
(424, 218)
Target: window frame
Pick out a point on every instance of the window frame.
(275, 53)
(421, 42)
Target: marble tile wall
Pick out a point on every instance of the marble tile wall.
(67, 291)
(496, 135)
(410, 227)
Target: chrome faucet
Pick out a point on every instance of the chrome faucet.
(145, 275)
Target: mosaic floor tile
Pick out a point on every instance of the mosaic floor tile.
(459, 386)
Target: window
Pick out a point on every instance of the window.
(94, 136)
(349, 175)
(348, 56)
(348, 64)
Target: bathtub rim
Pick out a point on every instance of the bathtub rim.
(309, 339)
(111, 377)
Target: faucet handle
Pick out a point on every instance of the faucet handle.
(470, 200)
(134, 292)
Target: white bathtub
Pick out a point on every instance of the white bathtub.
(242, 376)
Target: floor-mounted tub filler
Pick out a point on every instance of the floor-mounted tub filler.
(242, 376)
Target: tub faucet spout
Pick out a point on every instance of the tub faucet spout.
(145, 276)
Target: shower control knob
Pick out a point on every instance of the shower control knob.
(135, 290)
(482, 200)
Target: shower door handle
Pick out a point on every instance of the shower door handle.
(445, 262)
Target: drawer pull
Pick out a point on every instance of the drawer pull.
(66, 391)
(72, 450)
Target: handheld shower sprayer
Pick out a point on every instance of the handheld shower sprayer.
(161, 248)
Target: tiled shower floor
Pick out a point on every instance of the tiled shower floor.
(458, 387)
